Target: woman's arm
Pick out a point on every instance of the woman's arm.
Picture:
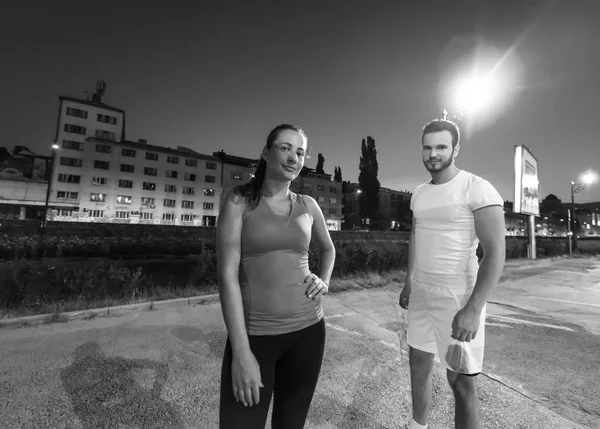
(321, 234)
(229, 238)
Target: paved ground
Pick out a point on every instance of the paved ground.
(160, 369)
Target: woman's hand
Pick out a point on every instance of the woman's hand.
(316, 287)
(246, 380)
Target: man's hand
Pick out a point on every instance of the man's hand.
(405, 294)
(466, 324)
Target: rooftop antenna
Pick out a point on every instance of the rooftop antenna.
(100, 90)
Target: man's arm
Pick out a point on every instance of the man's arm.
(405, 293)
(490, 229)
(411, 250)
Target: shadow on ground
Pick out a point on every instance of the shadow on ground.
(110, 392)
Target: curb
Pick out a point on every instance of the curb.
(119, 310)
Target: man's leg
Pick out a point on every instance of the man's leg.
(421, 371)
(466, 400)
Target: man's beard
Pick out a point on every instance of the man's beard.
(438, 166)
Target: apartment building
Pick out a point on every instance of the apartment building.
(325, 191)
(99, 176)
(394, 206)
(235, 170)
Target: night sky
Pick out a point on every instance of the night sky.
(220, 74)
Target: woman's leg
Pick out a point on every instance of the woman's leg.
(296, 376)
(233, 414)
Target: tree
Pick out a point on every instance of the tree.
(368, 181)
(337, 174)
(320, 164)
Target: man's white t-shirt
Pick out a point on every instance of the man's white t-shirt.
(445, 239)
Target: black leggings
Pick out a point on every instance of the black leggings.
(289, 368)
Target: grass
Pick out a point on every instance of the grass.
(55, 311)
(354, 282)
(151, 294)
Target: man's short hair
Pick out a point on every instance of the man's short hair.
(438, 125)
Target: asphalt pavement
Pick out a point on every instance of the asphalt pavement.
(160, 368)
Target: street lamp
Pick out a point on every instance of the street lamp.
(50, 174)
(587, 178)
(473, 93)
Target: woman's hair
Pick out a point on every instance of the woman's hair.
(251, 190)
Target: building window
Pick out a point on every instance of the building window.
(187, 204)
(149, 171)
(96, 213)
(189, 177)
(211, 165)
(71, 111)
(147, 216)
(69, 178)
(321, 199)
(123, 199)
(70, 162)
(127, 168)
(98, 198)
(209, 192)
(147, 201)
(75, 129)
(168, 216)
(125, 183)
(173, 159)
(191, 162)
(101, 165)
(122, 215)
(168, 203)
(152, 156)
(70, 144)
(103, 148)
(236, 175)
(98, 180)
(64, 212)
(170, 188)
(320, 188)
(187, 217)
(147, 186)
(209, 179)
(172, 174)
(188, 191)
(208, 206)
(307, 186)
(295, 184)
(107, 119)
(64, 195)
(332, 200)
(105, 135)
(332, 211)
(128, 152)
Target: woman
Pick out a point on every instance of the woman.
(271, 301)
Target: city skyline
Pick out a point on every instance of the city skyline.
(220, 77)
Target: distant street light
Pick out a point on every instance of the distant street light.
(587, 178)
(50, 173)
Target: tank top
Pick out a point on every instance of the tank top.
(273, 266)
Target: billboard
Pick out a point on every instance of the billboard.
(527, 200)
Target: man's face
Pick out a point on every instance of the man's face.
(438, 153)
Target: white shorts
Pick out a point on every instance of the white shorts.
(431, 310)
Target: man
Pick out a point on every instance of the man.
(446, 290)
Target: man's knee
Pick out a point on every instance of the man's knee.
(462, 384)
(420, 362)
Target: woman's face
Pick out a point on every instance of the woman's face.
(285, 158)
